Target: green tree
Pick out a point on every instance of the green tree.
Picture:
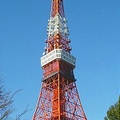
(114, 111)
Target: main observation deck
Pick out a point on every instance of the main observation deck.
(58, 54)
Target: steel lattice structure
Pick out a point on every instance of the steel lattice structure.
(59, 98)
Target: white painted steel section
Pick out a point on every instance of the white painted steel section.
(58, 54)
(56, 25)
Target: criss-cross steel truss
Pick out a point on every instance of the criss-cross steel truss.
(59, 98)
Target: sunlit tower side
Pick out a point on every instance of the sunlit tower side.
(58, 99)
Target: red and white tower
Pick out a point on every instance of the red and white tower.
(58, 99)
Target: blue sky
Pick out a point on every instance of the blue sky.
(94, 27)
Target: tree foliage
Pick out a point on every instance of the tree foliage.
(5, 103)
(114, 111)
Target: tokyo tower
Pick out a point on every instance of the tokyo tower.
(58, 98)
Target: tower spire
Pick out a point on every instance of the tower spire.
(57, 8)
(58, 99)
(57, 29)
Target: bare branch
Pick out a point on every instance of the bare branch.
(19, 116)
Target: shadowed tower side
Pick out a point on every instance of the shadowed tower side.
(59, 98)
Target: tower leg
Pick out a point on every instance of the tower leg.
(59, 100)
